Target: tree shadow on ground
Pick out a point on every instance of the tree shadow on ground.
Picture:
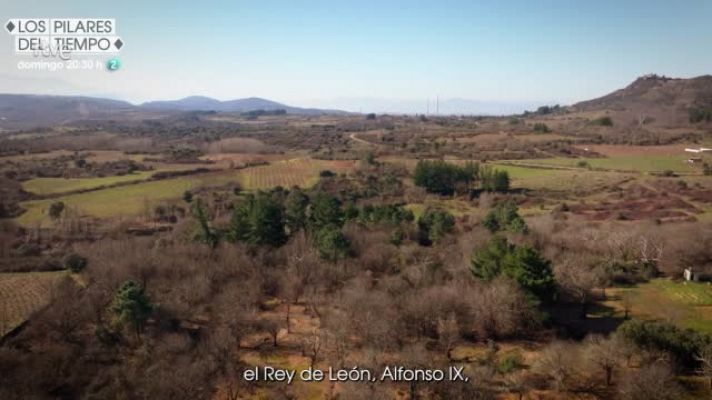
(568, 319)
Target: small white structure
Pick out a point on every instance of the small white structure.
(689, 275)
(692, 275)
(699, 150)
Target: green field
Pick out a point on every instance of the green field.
(47, 186)
(636, 163)
(132, 200)
(561, 179)
(688, 304)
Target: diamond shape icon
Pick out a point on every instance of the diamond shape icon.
(119, 44)
(10, 26)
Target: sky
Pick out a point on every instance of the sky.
(375, 55)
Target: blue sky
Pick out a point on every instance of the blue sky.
(367, 53)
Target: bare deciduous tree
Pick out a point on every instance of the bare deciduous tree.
(311, 346)
(605, 353)
(448, 332)
(557, 362)
(577, 277)
(654, 381)
(705, 360)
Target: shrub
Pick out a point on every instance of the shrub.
(700, 115)
(433, 225)
(75, 263)
(56, 209)
(29, 249)
(393, 214)
(603, 121)
(331, 243)
(510, 363)
(397, 237)
(583, 164)
(505, 217)
(541, 127)
(684, 345)
(545, 110)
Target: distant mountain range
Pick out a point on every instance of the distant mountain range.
(653, 100)
(201, 103)
(19, 111)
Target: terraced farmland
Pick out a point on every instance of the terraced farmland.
(22, 294)
(297, 172)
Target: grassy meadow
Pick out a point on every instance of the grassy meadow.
(132, 200)
(623, 163)
(49, 186)
(687, 304)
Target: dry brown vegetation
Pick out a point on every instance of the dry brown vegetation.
(401, 294)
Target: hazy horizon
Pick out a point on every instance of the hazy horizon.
(374, 56)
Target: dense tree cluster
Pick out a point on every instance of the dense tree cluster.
(444, 178)
(258, 220)
(523, 264)
(494, 180)
(270, 218)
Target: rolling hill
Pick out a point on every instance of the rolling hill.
(653, 100)
(22, 111)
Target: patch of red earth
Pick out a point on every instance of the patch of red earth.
(637, 203)
(342, 165)
(693, 193)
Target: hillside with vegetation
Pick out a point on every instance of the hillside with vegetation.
(542, 255)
